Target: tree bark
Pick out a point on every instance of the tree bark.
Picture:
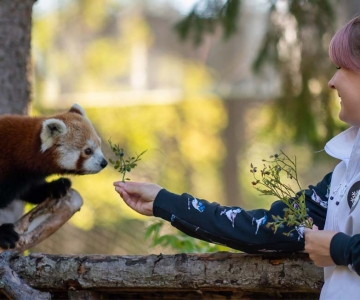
(234, 139)
(12, 286)
(15, 36)
(235, 275)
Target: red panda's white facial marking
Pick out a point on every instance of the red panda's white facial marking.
(67, 158)
(95, 162)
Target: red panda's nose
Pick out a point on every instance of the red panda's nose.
(103, 163)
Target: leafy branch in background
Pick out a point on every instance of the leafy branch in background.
(270, 183)
(304, 106)
(122, 164)
(204, 18)
(179, 241)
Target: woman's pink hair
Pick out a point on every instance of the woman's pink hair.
(344, 47)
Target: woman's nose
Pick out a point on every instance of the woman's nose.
(331, 82)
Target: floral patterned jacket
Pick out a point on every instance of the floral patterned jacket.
(236, 227)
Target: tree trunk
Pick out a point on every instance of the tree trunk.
(15, 41)
(15, 36)
(234, 139)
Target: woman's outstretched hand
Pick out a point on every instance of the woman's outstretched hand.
(138, 196)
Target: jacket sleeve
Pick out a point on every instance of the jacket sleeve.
(345, 250)
(235, 227)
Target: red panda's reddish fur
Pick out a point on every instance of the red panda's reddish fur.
(20, 146)
(32, 148)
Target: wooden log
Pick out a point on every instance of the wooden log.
(12, 286)
(45, 219)
(34, 227)
(84, 295)
(200, 274)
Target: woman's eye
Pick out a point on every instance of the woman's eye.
(88, 151)
(338, 68)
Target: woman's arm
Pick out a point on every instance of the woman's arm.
(231, 226)
(345, 250)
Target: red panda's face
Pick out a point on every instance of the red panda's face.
(74, 143)
(79, 150)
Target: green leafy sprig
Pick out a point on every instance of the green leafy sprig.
(123, 164)
(270, 183)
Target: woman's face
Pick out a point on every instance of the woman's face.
(347, 83)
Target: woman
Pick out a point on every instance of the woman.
(334, 242)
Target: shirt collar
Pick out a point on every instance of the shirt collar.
(341, 145)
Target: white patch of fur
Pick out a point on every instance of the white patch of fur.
(91, 144)
(48, 136)
(92, 164)
(68, 158)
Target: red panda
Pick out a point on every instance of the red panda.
(32, 148)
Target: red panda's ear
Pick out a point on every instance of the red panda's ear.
(76, 108)
(51, 128)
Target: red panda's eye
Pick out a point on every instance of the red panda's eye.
(88, 151)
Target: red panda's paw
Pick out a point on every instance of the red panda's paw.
(59, 187)
(8, 236)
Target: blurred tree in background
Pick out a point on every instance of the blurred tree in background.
(294, 47)
(254, 82)
(15, 36)
(296, 43)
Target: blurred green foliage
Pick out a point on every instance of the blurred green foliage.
(296, 44)
(179, 241)
(85, 48)
(206, 16)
